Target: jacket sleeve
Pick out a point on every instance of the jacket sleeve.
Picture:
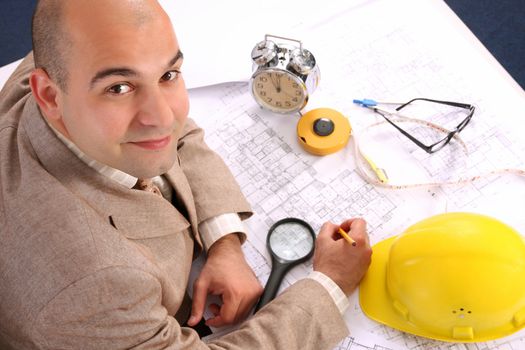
(120, 308)
(213, 186)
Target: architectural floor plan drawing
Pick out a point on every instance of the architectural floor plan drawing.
(280, 180)
(383, 51)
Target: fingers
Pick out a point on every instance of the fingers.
(215, 309)
(226, 275)
(231, 311)
(225, 314)
(328, 231)
(338, 258)
(354, 223)
(200, 292)
(356, 228)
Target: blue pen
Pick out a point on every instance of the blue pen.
(366, 102)
(374, 105)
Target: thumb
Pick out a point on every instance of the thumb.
(200, 292)
(328, 232)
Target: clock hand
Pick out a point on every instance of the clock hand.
(294, 102)
(275, 82)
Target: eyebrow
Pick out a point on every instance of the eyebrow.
(127, 72)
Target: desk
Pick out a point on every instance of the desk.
(378, 49)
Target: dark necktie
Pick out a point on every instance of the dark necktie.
(148, 186)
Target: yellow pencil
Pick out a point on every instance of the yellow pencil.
(347, 237)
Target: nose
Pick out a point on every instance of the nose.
(154, 109)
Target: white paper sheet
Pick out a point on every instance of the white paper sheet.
(387, 51)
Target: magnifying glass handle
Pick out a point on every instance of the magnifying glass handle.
(272, 286)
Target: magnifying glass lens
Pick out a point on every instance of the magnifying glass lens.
(291, 241)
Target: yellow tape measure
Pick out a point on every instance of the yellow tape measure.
(379, 178)
(323, 131)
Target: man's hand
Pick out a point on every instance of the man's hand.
(344, 263)
(226, 274)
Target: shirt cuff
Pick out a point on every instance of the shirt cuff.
(213, 229)
(340, 299)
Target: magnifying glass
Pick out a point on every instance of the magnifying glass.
(290, 242)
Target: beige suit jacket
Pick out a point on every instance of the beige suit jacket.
(86, 263)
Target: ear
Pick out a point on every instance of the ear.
(48, 97)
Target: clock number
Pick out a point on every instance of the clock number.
(278, 91)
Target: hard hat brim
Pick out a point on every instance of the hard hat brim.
(378, 305)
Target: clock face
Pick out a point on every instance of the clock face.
(279, 91)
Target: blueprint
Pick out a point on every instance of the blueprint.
(397, 58)
(280, 181)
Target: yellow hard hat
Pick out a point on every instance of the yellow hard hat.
(456, 277)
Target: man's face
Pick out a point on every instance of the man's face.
(125, 102)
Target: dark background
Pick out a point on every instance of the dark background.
(498, 24)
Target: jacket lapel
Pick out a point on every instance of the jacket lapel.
(136, 214)
(183, 198)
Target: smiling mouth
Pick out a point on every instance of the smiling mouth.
(153, 144)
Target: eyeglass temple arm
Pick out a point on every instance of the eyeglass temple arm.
(372, 103)
(449, 103)
(412, 138)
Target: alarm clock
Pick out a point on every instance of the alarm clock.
(284, 74)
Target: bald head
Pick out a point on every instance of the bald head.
(50, 40)
(55, 23)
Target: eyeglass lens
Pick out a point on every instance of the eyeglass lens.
(452, 117)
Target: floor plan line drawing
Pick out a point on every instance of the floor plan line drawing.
(281, 182)
(409, 60)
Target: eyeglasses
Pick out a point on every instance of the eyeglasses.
(434, 146)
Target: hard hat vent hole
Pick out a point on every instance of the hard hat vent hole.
(461, 312)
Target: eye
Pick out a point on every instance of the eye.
(119, 89)
(171, 75)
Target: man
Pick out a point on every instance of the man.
(95, 256)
